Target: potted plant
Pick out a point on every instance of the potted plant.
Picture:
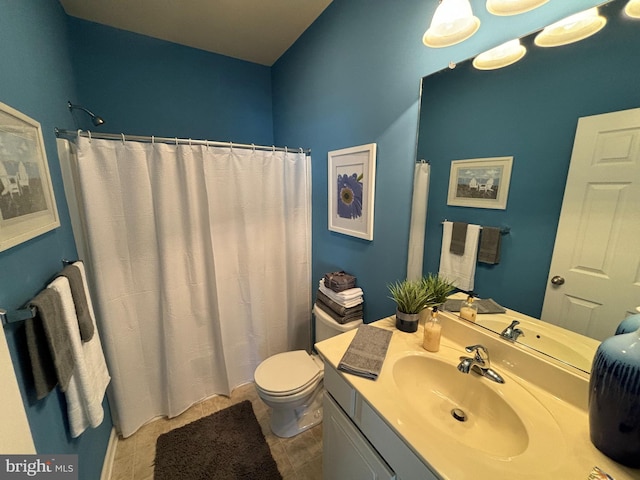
(411, 298)
(438, 288)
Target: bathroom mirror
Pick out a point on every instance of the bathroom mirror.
(528, 110)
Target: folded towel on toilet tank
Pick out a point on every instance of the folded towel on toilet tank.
(348, 298)
(354, 314)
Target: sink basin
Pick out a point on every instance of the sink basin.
(461, 404)
(573, 349)
(482, 418)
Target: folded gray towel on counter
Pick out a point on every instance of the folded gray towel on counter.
(85, 322)
(458, 238)
(366, 352)
(486, 305)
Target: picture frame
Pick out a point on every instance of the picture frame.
(351, 182)
(27, 202)
(480, 182)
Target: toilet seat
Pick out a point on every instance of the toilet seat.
(287, 373)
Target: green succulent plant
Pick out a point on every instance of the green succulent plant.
(410, 295)
(437, 287)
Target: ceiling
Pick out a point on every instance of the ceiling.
(258, 31)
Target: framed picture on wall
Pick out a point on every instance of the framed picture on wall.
(27, 204)
(480, 183)
(352, 181)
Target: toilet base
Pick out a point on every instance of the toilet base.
(286, 423)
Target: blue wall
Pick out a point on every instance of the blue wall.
(529, 111)
(354, 78)
(36, 78)
(144, 86)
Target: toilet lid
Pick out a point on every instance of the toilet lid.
(286, 372)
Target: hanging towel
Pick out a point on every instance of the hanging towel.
(49, 345)
(459, 269)
(90, 378)
(85, 322)
(490, 245)
(458, 238)
(366, 352)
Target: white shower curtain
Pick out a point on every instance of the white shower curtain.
(200, 258)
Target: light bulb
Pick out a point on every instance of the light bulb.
(453, 22)
(571, 29)
(501, 56)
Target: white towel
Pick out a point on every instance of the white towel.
(349, 301)
(459, 269)
(349, 294)
(90, 378)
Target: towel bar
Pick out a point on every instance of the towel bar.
(503, 230)
(17, 315)
(27, 312)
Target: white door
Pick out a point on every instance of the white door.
(15, 436)
(594, 280)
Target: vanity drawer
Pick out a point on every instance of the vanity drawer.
(340, 390)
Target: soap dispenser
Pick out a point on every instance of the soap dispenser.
(469, 310)
(432, 332)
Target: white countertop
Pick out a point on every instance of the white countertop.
(573, 458)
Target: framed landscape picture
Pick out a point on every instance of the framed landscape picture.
(352, 180)
(480, 183)
(27, 204)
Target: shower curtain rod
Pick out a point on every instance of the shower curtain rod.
(70, 134)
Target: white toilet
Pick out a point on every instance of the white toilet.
(291, 382)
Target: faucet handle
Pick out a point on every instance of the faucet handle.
(481, 354)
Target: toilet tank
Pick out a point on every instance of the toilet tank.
(327, 327)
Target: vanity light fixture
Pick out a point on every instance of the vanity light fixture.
(512, 7)
(452, 22)
(501, 56)
(571, 29)
(632, 9)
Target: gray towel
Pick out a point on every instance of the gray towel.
(489, 251)
(85, 322)
(336, 307)
(486, 305)
(49, 344)
(355, 313)
(366, 352)
(458, 238)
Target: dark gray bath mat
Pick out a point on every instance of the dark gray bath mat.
(226, 445)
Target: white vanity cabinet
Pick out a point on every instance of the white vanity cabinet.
(357, 443)
(346, 453)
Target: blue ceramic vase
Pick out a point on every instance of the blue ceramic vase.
(629, 324)
(614, 399)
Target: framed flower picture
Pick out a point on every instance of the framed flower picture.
(27, 204)
(352, 180)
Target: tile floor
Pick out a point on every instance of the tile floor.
(298, 458)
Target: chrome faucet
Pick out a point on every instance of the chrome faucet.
(511, 332)
(479, 363)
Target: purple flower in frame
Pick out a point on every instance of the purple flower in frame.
(350, 196)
